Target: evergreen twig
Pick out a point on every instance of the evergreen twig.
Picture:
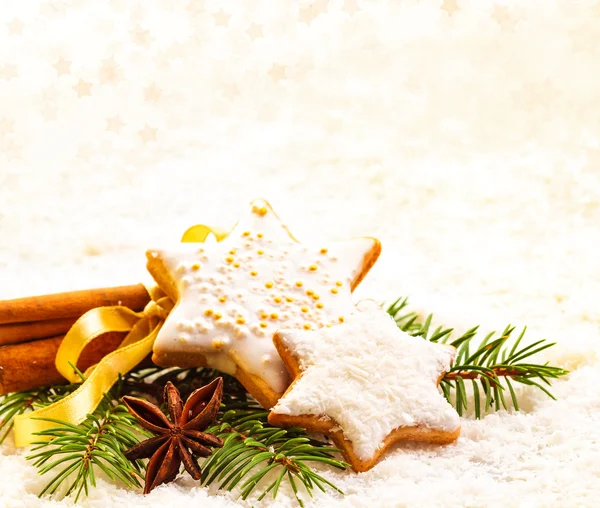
(14, 404)
(492, 366)
(79, 452)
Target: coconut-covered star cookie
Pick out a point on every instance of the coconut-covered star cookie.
(366, 384)
(232, 296)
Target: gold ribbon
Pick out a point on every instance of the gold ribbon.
(142, 328)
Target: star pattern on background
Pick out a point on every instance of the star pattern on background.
(312, 11)
(277, 72)
(15, 27)
(62, 66)
(8, 72)
(140, 36)
(83, 88)
(230, 91)
(255, 31)
(110, 72)
(147, 134)
(195, 6)
(7, 126)
(10, 149)
(152, 93)
(351, 7)
(85, 151)
(501, 15)
(114, 123)
(51, 8)
(450, 6)
(221, 18)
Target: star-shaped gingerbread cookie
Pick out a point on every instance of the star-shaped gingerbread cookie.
(231, 296)
(366, 384)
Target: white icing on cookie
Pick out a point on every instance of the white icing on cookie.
(235, 294)
(370, 377)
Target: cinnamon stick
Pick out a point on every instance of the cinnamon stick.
(71, 304)
(30, 365)
(16, 333)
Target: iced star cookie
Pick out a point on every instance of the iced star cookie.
(366, 384)
(233, 295)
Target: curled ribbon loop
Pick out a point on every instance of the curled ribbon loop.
(142, 328)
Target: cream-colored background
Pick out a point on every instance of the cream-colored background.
(465, 135)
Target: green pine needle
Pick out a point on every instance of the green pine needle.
(492, 367)
(253, 448)
(14, 404)
(75, 453)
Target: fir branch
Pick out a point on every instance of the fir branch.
(253, 448)
(79, 452)
(492, 367)
(14, 404)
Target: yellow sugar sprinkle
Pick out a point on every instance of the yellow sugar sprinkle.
(268, 284)
(274, 315)
(260, 235)
(334, 290)
(313, 268)
(299, 283)
(217, 315)
(328, 325)
(309, 292)
(315, 297)
(196, 267)
(289, 299)
(232, 252)
(260, 252)
(319, 305)
(341, 319)
(254, 273)
(259, 210)
(208, 312)
(240, 321)
(339, 283)
(217, 344)
(323, 251)
(229, 259)
(182, 339)
(277, 299)
(304, 309)
(246, 233)
(222, 299)
(306, 326)
(263, 315)
(263, 324)
(236, 265)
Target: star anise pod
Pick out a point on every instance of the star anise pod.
(179, 439)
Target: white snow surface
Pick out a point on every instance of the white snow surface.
(466, 138)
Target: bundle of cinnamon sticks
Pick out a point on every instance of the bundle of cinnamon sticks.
(31, 330)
